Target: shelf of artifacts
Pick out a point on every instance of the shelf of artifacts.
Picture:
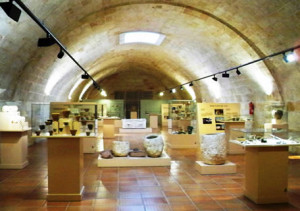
(266, 156)
(66, 126)
(178, 113)
(131, 150)
(13, 138)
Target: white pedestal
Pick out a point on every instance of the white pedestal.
(164, 160)
(144, 130)
(227, 168)
(13, 149)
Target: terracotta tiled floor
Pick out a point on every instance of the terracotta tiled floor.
(178, 187)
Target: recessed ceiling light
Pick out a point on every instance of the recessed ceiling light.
(152, 38)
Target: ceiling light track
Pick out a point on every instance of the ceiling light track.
(225, 73)
(14, 12)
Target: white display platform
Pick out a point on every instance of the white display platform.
(227, 168)
(134, 123)
(136, 130)
(164, 160)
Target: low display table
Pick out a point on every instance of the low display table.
(164, 160)
(65, 167)
(266, 173)
(13, 149)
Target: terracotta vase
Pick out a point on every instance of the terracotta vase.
(73, 132)
(55, 116)
(66, 113)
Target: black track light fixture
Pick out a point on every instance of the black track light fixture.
(60, 54)
(46, 41)
(11, 10)
(225, 75)
(237, 71)
(85, 76)
(215, 78)
(191, 84)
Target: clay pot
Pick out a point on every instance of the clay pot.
(37, 132)
(61, 129)
(83, 122)
(86, 109)
(73, 132)
(50, 132)
(154, 145)
(66, 123)
(90, 126)
(48, 122)
(42, 127)
(66, 113)
(77, 118)
(88, 133)
(55, 116)
(278, 114)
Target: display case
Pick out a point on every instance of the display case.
(266, 155)
(180, 114)
(60, 118)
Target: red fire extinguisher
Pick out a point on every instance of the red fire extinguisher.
(251, 108)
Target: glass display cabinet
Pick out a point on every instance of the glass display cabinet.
(182, 115)
(64, 118)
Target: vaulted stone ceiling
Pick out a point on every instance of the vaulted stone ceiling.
(202, 38)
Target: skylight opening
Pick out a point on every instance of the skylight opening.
(152, 38)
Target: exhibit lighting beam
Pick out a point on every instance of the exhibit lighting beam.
(226, 75)
(49, 33)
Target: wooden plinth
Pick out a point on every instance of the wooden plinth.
(13, 149)
(109, 128)
(266, 174)
(65, 169)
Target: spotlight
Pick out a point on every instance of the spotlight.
(181, 88)
(85, 76)
(161, 94)
(103, 93)
(47, 41)
(173, 90)
(11, 10)
(60, 54)
(225, 75)
(289, 57)
(191, 84)
(237, 71)
(215, 78)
